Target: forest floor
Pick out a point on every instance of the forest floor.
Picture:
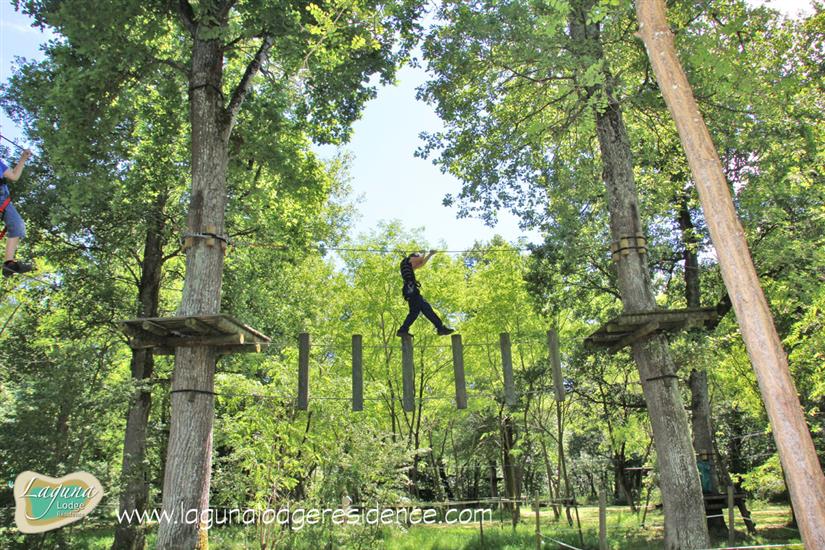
(623, 533)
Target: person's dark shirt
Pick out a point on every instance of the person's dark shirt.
(408, 275)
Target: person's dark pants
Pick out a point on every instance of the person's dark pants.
(419, 305)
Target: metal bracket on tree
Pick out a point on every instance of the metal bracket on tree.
(624, 245)
(210, 234)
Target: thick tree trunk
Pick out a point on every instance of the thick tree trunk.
(793, 439)
(679, 478)
(134, 479)
(188, 468)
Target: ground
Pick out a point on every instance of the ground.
(623, 531)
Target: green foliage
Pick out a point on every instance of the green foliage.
(107, 108)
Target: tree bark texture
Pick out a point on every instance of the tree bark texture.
(188, 467)
(682, 500)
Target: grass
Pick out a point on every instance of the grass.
(623, 532)
(623, 529)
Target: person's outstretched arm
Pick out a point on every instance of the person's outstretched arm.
(13, 174)
(426, 257)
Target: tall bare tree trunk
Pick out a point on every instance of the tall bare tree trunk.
(134, 479)
(806, 482)
(679, 478)
(188, 466)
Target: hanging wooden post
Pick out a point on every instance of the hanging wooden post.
(555, 363)
(408, 373)
(507, 365)
(538, 523)
(602, 520)
(303, 371)
(731, 519)
(797, 453)
(458, 371)
(357, 373)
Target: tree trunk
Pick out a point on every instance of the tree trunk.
(793, 439)
(698, 381)
(693, 294)
(679, 478)
(702, 431)
(508, 465)
(473, 495)
(134, 476)
(563, 477)
(493, 479)
(624, 486)
(735, 466)
(552, 487)
(188, 468)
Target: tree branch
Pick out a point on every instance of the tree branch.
(224, 11)
(187, 15)
(245, 83)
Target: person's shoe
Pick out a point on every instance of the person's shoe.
(12, 267)
(403, 333)
(444, 331)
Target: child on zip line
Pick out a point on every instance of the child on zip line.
(14, 225)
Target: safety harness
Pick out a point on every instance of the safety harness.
(3, 215)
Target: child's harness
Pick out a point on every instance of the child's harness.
(3, 215)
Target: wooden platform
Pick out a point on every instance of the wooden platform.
(632, 327)
(164, 334)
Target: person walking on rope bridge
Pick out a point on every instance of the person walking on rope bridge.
(413, 296)
(14, 223)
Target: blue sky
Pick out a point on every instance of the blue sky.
(391, 183)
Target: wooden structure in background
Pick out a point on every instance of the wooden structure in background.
(228, 335)
(408, 372)
(507, 366)
(164, 334)
(628, 328)
(458, 372)
(555, 363)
